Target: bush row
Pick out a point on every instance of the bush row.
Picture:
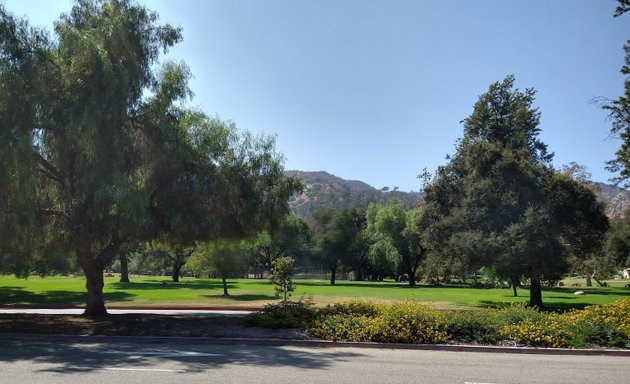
(595, 326)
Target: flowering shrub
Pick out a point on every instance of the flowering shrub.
(391, 323)
(604, 325)
(347, 328)
(412, 323)
(286, 314)
(550, 331)
(353, 307)
(474, 327)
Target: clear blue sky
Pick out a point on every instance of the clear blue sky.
(376, 90)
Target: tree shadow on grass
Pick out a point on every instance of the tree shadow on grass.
(18, 295)
(242, 297)
(164, 284)
(549, 307)
(376, 284)
(80, 357)
(591, 291)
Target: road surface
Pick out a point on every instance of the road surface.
(82, 361)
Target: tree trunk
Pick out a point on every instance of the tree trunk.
(535, 291)
(601, 284)
(515, 284)
(359, 276)
(333, 274)
(589, 282)
(93, 270)
(412, 277)
(124, 269)
(225, 288)
(175, 275)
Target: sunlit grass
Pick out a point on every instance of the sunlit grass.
(158, 291)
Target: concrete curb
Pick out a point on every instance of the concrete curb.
(319, 344)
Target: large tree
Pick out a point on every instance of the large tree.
(164, 257)
(289, 238)
(97, 148)
(222, 258)
(619, 111)
(337, 237)
(501, 204)
(395, 235)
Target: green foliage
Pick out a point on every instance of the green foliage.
(222, 258)
(395, 237)
(517, 313)
(99, 149)
(286, 314)
(154, 291)
(282, 276)
(290, 237)
(347, 328)
(355, 307)
(604, 326)
(164, 257)
(619, 112)
(473, 327)
(338, 237)
(392, 323)
(616, 248)
(499, 203)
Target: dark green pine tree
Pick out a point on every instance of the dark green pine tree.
(499, 202)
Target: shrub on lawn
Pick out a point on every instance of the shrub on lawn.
(517, 313)
(599, 325)
(605, 326)
(391, 323)
(413, 323)
(286, 314)
(347, 328)
(473, 327)
(353, 307)
(547, 331)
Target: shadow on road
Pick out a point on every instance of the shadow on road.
(81, 357)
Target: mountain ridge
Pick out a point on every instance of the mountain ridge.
(325, 190)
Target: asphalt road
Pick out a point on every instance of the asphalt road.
(83, 361)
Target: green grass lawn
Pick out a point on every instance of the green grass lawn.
(160, 291)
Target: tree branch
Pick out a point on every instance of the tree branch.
(54, 173)
(108, 253)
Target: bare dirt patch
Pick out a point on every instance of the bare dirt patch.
(140, 325)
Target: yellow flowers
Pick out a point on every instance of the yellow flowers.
(604, 326)
(598, 325)
(392, 323)
(550, 332)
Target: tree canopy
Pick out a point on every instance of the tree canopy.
(337, 235)
(499, 202)
(395, 237)
(223, 258)
(98, 147)
(619, 111)
(289, 238)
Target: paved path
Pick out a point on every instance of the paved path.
(39, 361)
(78, 311)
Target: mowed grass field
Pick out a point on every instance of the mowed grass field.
(161, 292)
